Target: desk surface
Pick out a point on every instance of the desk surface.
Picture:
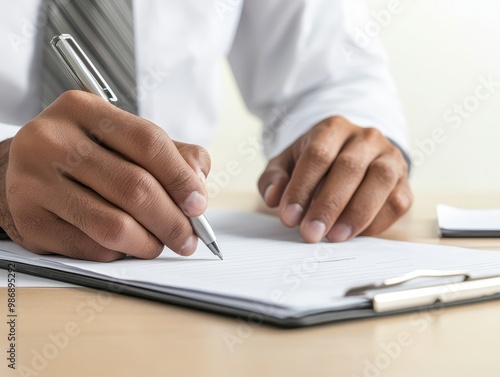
(123, 336)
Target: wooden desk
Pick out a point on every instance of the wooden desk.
(122, 336)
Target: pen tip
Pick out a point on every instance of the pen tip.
(214, 248)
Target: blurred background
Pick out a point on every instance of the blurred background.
(441, 52)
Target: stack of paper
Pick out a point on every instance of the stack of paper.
(459, 222)
(267, 271)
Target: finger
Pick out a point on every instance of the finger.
(343, 180)
(142, 142)
(312, 165)
(56, 236)
(103, 222)
(139, 194)
(396, 206)
(380, 181)
(196, 157)
(275, 178)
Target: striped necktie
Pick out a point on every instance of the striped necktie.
(105, 31)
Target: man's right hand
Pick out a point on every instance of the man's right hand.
(90, 181)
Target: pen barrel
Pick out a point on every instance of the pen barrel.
(203, 229)
(80, 67)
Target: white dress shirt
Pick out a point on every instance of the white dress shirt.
(296, 62)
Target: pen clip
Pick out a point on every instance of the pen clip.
(81, 68)
(392, 282)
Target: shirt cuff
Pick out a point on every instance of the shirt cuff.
(8, 131)
(284, 126)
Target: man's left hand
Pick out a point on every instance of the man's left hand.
(338, 181)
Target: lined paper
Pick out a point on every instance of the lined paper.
(268, 264)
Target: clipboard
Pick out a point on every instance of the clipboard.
(453, 293)
(264, 258)
(378, 302)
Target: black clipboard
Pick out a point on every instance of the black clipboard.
(378, 303)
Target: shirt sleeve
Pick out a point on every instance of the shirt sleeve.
(298, 62)
(7, 131)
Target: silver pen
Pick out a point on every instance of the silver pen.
(89, 79)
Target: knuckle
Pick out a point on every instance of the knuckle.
(70, 97)
(154, 249)
(396, 155)
(73, 202)
(29, 139)
(137, 188)
(152, 143)
(350, 163)
(29, 131)
(333, 122)
(328, 210)
(371, 134)
(400, 202)
(384, 171)
(181, 181)
(338, 119)
(319, 154)
(299, 193)
(40, 145)
(196, 156)
(358, 217)
(74, 248)
(115, 234)
(177, 234)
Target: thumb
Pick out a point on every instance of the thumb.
(275, 178)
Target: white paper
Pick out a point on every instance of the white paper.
(268, 266)
(461, 219)
(30, 281)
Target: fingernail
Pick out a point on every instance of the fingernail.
(267, 193)
(340, 233)
(315, 230)
(195, 204)
(189, 246)
(292, 214)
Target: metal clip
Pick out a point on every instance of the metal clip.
(392, 282)
(81, 68)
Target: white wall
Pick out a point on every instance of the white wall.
(441, 51)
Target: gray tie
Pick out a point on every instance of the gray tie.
(105, 31)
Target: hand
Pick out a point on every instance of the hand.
(90, 181)
(338, 180)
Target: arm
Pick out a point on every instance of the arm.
(327, 117)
